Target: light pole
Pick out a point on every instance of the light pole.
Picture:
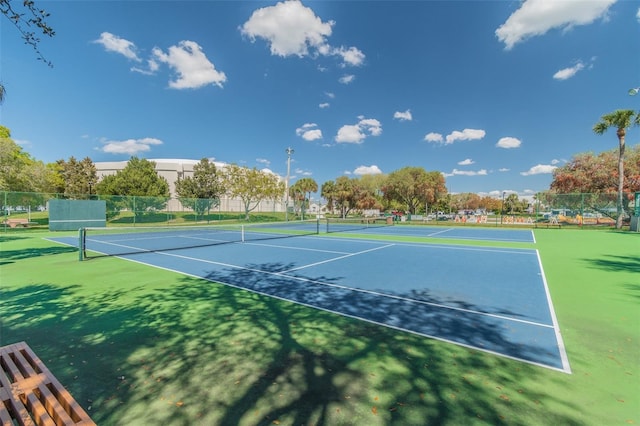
(289, 151)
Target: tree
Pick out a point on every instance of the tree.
(201, 191)
(327, 191)
(138, 188)
(414, 187)
(341, 194)
(20, 175)
(14, 166)
(78, 177)
(301, 192)
(465, 201)
(596, 173)
(512, 204)
(620, 119)
(252, 186)
(24, 20)
(19, 172)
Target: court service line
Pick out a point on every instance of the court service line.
(295, 248)
(337, 258)
(438, 233)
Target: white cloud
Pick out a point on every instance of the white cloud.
(351, 56)
(367, 170)
(567, 73)
(402, 116)
(536, 17)
(433, 137)
(309, 132)
(292, 29)
(113, 43)
(346, 79)
(356, 133)
(263, 161)
(350, 133)
(192, 66)
(509, 142)
(330, 95)
(539, 169)
(129, 146)
(372, 125)
(303, 172)
(466, 162)
(503, 169)
(289, 27)
(638, 15)
(466, 134)
(456, 172)
(324, 105)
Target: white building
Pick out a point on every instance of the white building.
(172, 169)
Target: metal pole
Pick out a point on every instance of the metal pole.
(502, 208)
(289, 151)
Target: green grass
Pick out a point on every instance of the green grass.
(137, 345)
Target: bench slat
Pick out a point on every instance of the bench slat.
(31, 394)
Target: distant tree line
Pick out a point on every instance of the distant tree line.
(410, 189)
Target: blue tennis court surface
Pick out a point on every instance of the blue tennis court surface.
(491, 299)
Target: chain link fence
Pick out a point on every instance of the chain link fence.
(131, 210)
(579, 209)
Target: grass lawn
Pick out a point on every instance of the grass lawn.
(137, 346)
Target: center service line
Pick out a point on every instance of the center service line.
(336, 258)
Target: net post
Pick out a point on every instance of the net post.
(81, 244)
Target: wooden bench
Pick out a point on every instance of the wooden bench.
(14, 223)
(31, 395)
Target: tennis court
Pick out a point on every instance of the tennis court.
(491, 299)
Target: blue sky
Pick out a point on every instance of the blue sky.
(494, 94)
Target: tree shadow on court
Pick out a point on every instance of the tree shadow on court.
(418, 391)
(616, 263)
(458, 322)
(10, 256)
(191, 351)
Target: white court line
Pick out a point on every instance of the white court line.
(440, 232)
(337, 258)
(563, 352)
(296, 248)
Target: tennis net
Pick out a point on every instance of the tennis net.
(118, 241)
(356, 223)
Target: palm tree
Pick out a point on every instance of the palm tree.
(306, 186)
(2, 93)
(620, 119)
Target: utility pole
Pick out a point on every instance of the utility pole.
(289, 151)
